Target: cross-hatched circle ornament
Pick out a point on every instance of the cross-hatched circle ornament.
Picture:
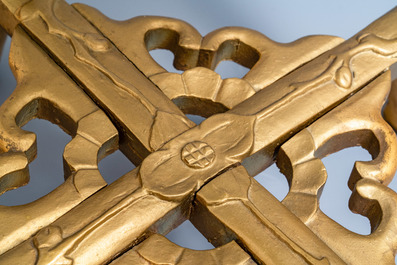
(299, 102)
(197, 154)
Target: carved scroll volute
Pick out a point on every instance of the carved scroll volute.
(357, 121)
(200, 90)
(104, 74)
(62, 102)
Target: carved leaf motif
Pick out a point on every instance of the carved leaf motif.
(161, 128)
(48, 237)
(343, 77)
(231, 135)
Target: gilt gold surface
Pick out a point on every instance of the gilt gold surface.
(102, 87)
(158, 250)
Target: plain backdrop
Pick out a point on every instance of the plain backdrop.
(282, 21)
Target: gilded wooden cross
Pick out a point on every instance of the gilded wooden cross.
(95, 78)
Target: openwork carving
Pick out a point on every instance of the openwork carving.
(106, 91)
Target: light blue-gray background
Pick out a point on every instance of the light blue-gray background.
(282, 21)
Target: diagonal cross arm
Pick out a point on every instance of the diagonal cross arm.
(158, 194)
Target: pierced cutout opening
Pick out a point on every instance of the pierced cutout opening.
(46, 171)
(393, 183)
(228, 69)
(187, 236)
(334, 199)
(199, 106)
(274, 181)
(197, 119)
(165, 58)
(7, 79)
(393, 69)
(114, 166)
